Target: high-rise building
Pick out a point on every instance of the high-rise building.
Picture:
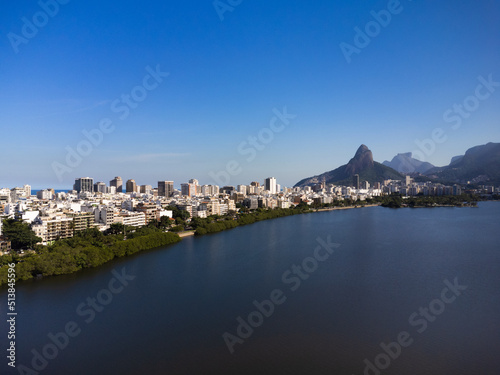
(146, 189)
(356, 181)
(209, 190)
(196, 186)
(44, 194)
(84, 184)
(27, 189)
(189, 189)
(227, 189)
(271, 185)
(117, 182)
(131, 186)
(100, 187)
(242, 189)
(165, 188)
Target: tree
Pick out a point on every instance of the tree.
(19, 234)
(165, 222)
(115, 228)
(176, 213)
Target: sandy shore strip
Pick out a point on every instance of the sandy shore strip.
(346, 208)
(186, 233)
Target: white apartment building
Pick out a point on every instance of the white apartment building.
(223, 209)
(134, 219)
(105, 215)
(210, 190)
(200, 213)
(242, 189)
(44, 194)
(270, 185)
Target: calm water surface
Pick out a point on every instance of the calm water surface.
(170, 319)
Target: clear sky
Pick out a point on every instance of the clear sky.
(231, 69)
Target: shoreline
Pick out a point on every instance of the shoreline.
(189, 233)
(186, 233)
(345, 208)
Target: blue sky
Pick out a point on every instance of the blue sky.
(225, 79)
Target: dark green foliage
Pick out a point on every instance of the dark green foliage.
(89, 248)
(213, 225)
(396, 201)
(19, 233)
(115, 228)
(176, 213)
(177, 228)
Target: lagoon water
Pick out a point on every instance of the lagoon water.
(170, 319)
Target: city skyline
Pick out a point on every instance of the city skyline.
(222, 178)
(262, 88)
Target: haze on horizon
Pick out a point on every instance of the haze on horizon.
(206, 81)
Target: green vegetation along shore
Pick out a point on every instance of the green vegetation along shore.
(209, 225)
(397, 201)
(90, 248)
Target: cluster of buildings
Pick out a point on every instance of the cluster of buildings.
(54, 215)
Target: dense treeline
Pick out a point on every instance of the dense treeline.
(87, 249)
(397, 201)
(213, 225)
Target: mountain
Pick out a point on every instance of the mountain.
(480, 164)
(456, 159)
(362, 163)
(404, 163)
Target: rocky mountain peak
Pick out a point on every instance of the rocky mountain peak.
(362, 159)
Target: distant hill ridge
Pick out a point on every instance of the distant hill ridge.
(404, 163)
(479, 165)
